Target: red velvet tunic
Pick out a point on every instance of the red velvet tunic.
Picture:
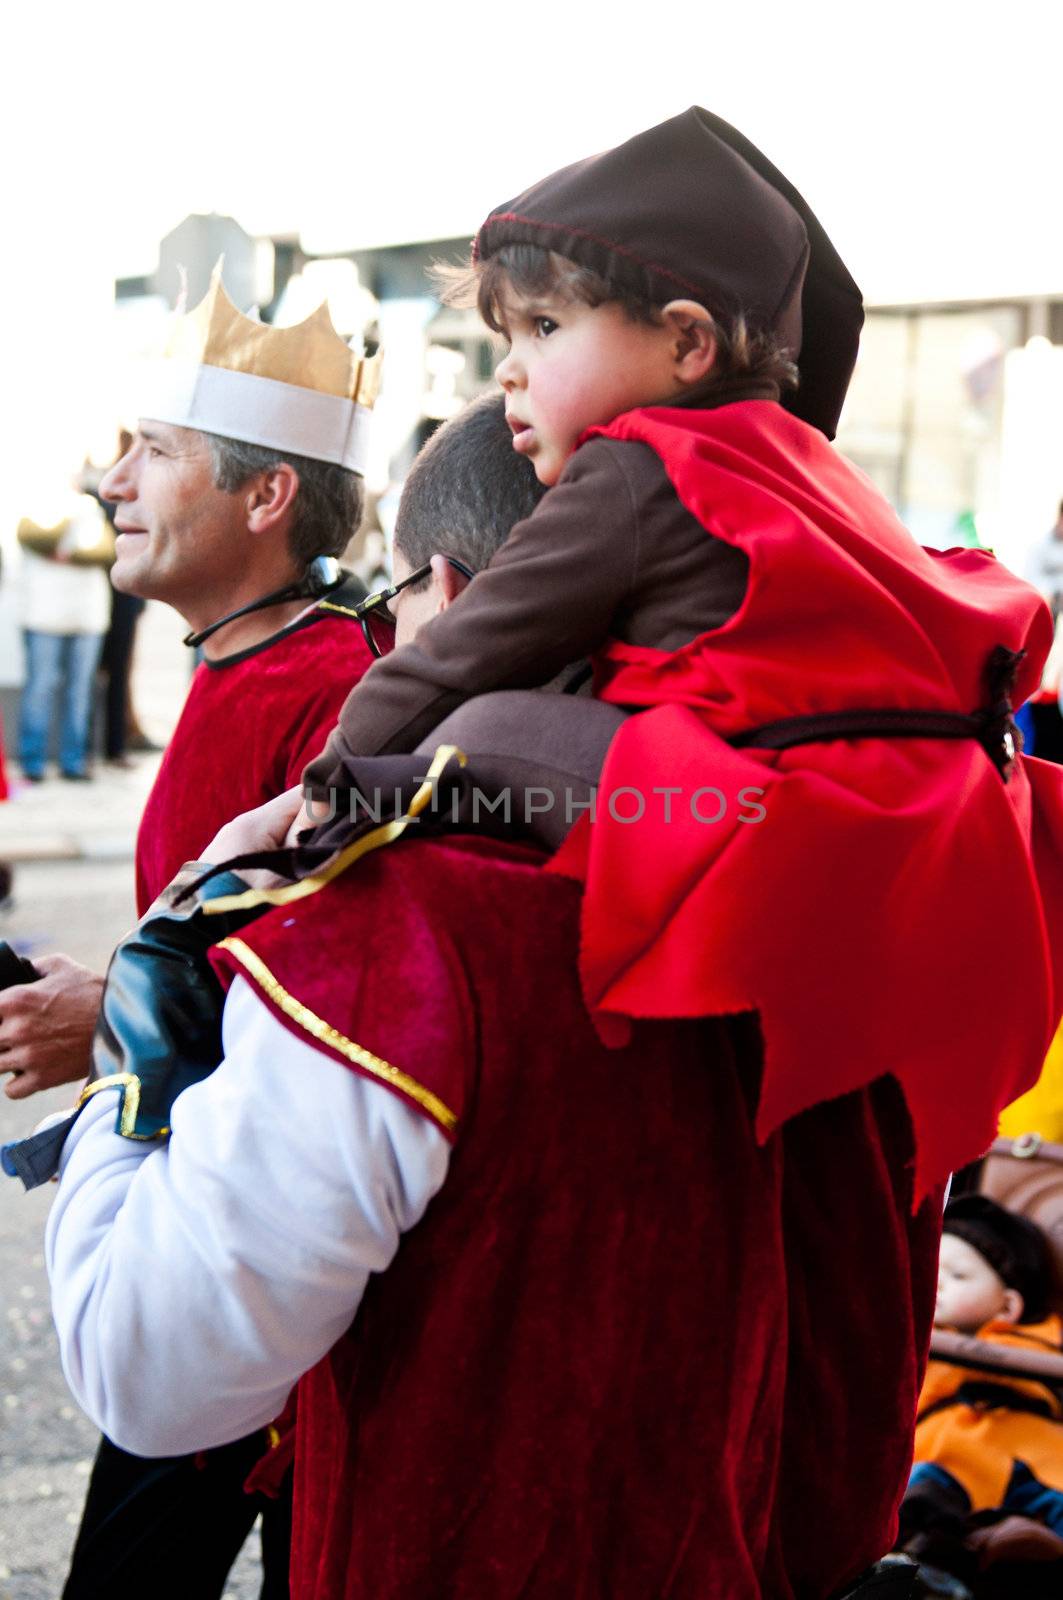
(249, 726)
(898, 908)
(629, 1351)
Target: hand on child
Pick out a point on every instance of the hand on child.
(311, 812)
(267, 827)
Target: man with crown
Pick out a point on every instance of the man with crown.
(243, 484)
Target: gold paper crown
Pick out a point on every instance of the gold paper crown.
(310, 355)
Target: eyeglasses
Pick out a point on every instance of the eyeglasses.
(376, 617)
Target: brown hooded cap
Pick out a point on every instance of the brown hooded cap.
(691, 209)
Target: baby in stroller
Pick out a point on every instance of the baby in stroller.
(989, 1443)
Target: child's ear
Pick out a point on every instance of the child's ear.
(1014, 1306)
(694, 347)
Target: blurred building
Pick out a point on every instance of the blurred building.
(956, 412)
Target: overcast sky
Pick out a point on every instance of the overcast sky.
(927, 136)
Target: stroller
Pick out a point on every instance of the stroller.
(1003, 1556)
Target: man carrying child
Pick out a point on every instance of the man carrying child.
(621, 1250)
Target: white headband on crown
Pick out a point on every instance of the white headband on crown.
(257, 410)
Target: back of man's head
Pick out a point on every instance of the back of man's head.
(466, 489)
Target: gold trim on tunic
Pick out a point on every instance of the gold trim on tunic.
(326, 1034)
(387, 833)
(128, 1085)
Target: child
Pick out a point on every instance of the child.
(988, 1441)
(784, 640)
(618, 337)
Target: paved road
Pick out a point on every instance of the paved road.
(82, 906)
(46, 1445)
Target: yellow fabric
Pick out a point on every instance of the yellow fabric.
(980, 1447)
(1040, 1110)
(387, 833)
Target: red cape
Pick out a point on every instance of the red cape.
(899, 908)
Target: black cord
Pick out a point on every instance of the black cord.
(321, 577)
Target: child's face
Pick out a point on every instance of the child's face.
(571, 366)
(970, 1292)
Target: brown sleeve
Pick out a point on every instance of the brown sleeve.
(547, 598)
(609, 552)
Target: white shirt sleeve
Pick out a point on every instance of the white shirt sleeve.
(194, 1282)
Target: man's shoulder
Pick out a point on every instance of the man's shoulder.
(386, 967)
(328, 634)
(423, 893)
(448, 874)
(292, 684)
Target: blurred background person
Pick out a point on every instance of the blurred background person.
(65, 605)
(1042, 718)
(6, 871)
(1044, 568)
(121, 728)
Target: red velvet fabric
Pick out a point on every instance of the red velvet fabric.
(245, 734)
(630, 1350)
(898, 908)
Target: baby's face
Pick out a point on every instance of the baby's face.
(571, 366)
(970, 1291)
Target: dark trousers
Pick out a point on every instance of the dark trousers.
(172, 1528)
(116, 660)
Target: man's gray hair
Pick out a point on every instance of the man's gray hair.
(328, 506)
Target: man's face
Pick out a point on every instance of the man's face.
(571, 366)
(970, 1292)
(180, 538)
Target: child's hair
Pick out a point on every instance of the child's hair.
(1014, 1247)
(530, 269)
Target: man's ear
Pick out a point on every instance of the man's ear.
(448, 580)
(1014, 1306)
(271, 496)
(694, 344)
